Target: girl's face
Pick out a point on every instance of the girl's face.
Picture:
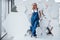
(35, 6)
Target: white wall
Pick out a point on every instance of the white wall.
(4, 9)
(53, 7)
(59, 12)
(57, 0)
(0, 16)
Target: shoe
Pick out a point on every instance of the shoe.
(29, 31)
(34, 36)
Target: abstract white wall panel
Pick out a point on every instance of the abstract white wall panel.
(4, 9)
(59, 15)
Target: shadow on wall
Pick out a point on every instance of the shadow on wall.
(13, 6)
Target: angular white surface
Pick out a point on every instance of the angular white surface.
(17, 23)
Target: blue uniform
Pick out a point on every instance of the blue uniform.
(34, 23)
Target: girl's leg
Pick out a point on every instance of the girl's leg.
(34, 28)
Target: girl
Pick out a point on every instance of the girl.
(35, 19)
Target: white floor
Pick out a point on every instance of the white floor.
(17, 23)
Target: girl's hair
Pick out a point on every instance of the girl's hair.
(34, 4)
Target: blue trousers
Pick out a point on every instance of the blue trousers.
(34, 23)
(33, 28)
